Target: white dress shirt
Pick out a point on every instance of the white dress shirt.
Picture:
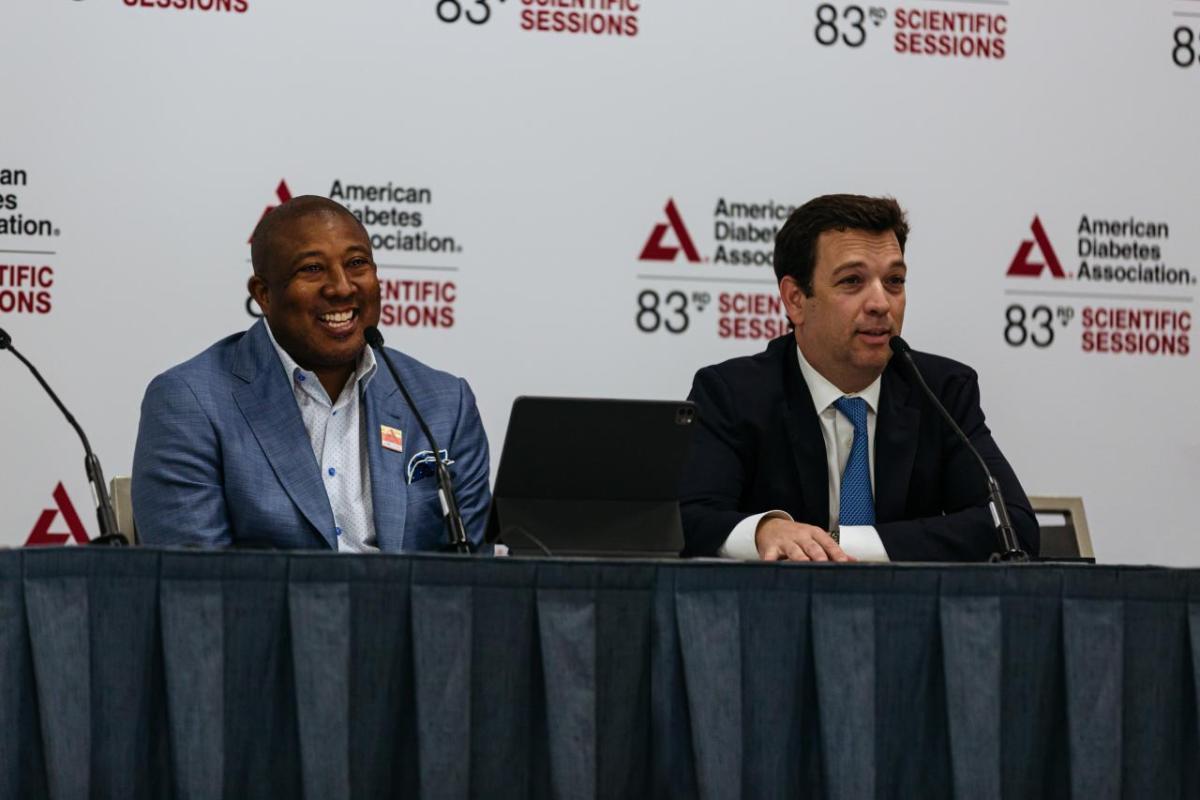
(337, 432)
(860, 541)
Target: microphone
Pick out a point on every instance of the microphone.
(1011, 547)
(455, 529)
(109, 534)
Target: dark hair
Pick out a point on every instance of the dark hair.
(796, 242)
(262, 241)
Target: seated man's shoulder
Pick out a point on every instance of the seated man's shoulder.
(747, 392)
(757, 366)
(205, 372)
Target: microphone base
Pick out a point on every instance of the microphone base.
(1010, 557)
(110, 540)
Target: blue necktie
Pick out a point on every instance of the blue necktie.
(856, 507)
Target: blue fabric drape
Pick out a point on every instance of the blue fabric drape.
(198, 675)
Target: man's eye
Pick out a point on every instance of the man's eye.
(850, 280)
(897, 280)
(311, 268)
(359, 262)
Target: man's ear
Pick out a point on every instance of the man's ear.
(793, 299)
(258, 290)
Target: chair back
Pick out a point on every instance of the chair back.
(120, 490)
(1064, 527)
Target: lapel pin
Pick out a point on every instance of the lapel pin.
(391, 438)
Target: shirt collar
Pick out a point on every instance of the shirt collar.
(825, 393)
(363, 373)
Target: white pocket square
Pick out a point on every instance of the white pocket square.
(424, 464)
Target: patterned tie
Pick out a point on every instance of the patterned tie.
(857, 507)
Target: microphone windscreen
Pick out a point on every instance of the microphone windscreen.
(898, 345)
(373, 336)
(5, 339)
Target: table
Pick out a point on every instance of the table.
(147, 673)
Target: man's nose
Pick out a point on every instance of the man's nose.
(337, 282)
(876, 301)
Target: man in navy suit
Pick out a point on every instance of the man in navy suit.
(290, 435)
(823, 448)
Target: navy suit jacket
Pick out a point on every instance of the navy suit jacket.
(759, 447)
(223, 457)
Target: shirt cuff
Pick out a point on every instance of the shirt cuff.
(862, 542)
(740, 542)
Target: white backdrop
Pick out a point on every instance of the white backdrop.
(150, 139)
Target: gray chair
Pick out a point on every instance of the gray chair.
(1064, 527)
(119, 489)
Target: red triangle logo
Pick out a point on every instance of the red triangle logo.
(1021, 265)
(41, 535)
(284, 194)
(655, 250)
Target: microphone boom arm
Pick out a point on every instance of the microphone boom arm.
(105, 516)
(455, 529)
(1000, 517)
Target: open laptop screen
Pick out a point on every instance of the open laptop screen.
(592, 477)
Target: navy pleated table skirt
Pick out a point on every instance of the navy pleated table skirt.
(180, 674)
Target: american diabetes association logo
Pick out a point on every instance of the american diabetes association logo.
(686, 269)
(1122, 290)
(28, 248)
(417, 263)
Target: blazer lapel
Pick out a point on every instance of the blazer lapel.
(896, 433)
(389, 488)
(808, 445)
(266, 401)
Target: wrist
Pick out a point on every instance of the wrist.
(763, 530)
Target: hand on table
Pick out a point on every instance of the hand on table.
(783, 540)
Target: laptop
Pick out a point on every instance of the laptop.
(592, 477)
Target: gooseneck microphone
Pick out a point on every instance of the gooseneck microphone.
(1010, 546)
(109, 535)
(455, 530)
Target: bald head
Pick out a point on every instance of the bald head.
(264, 244)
